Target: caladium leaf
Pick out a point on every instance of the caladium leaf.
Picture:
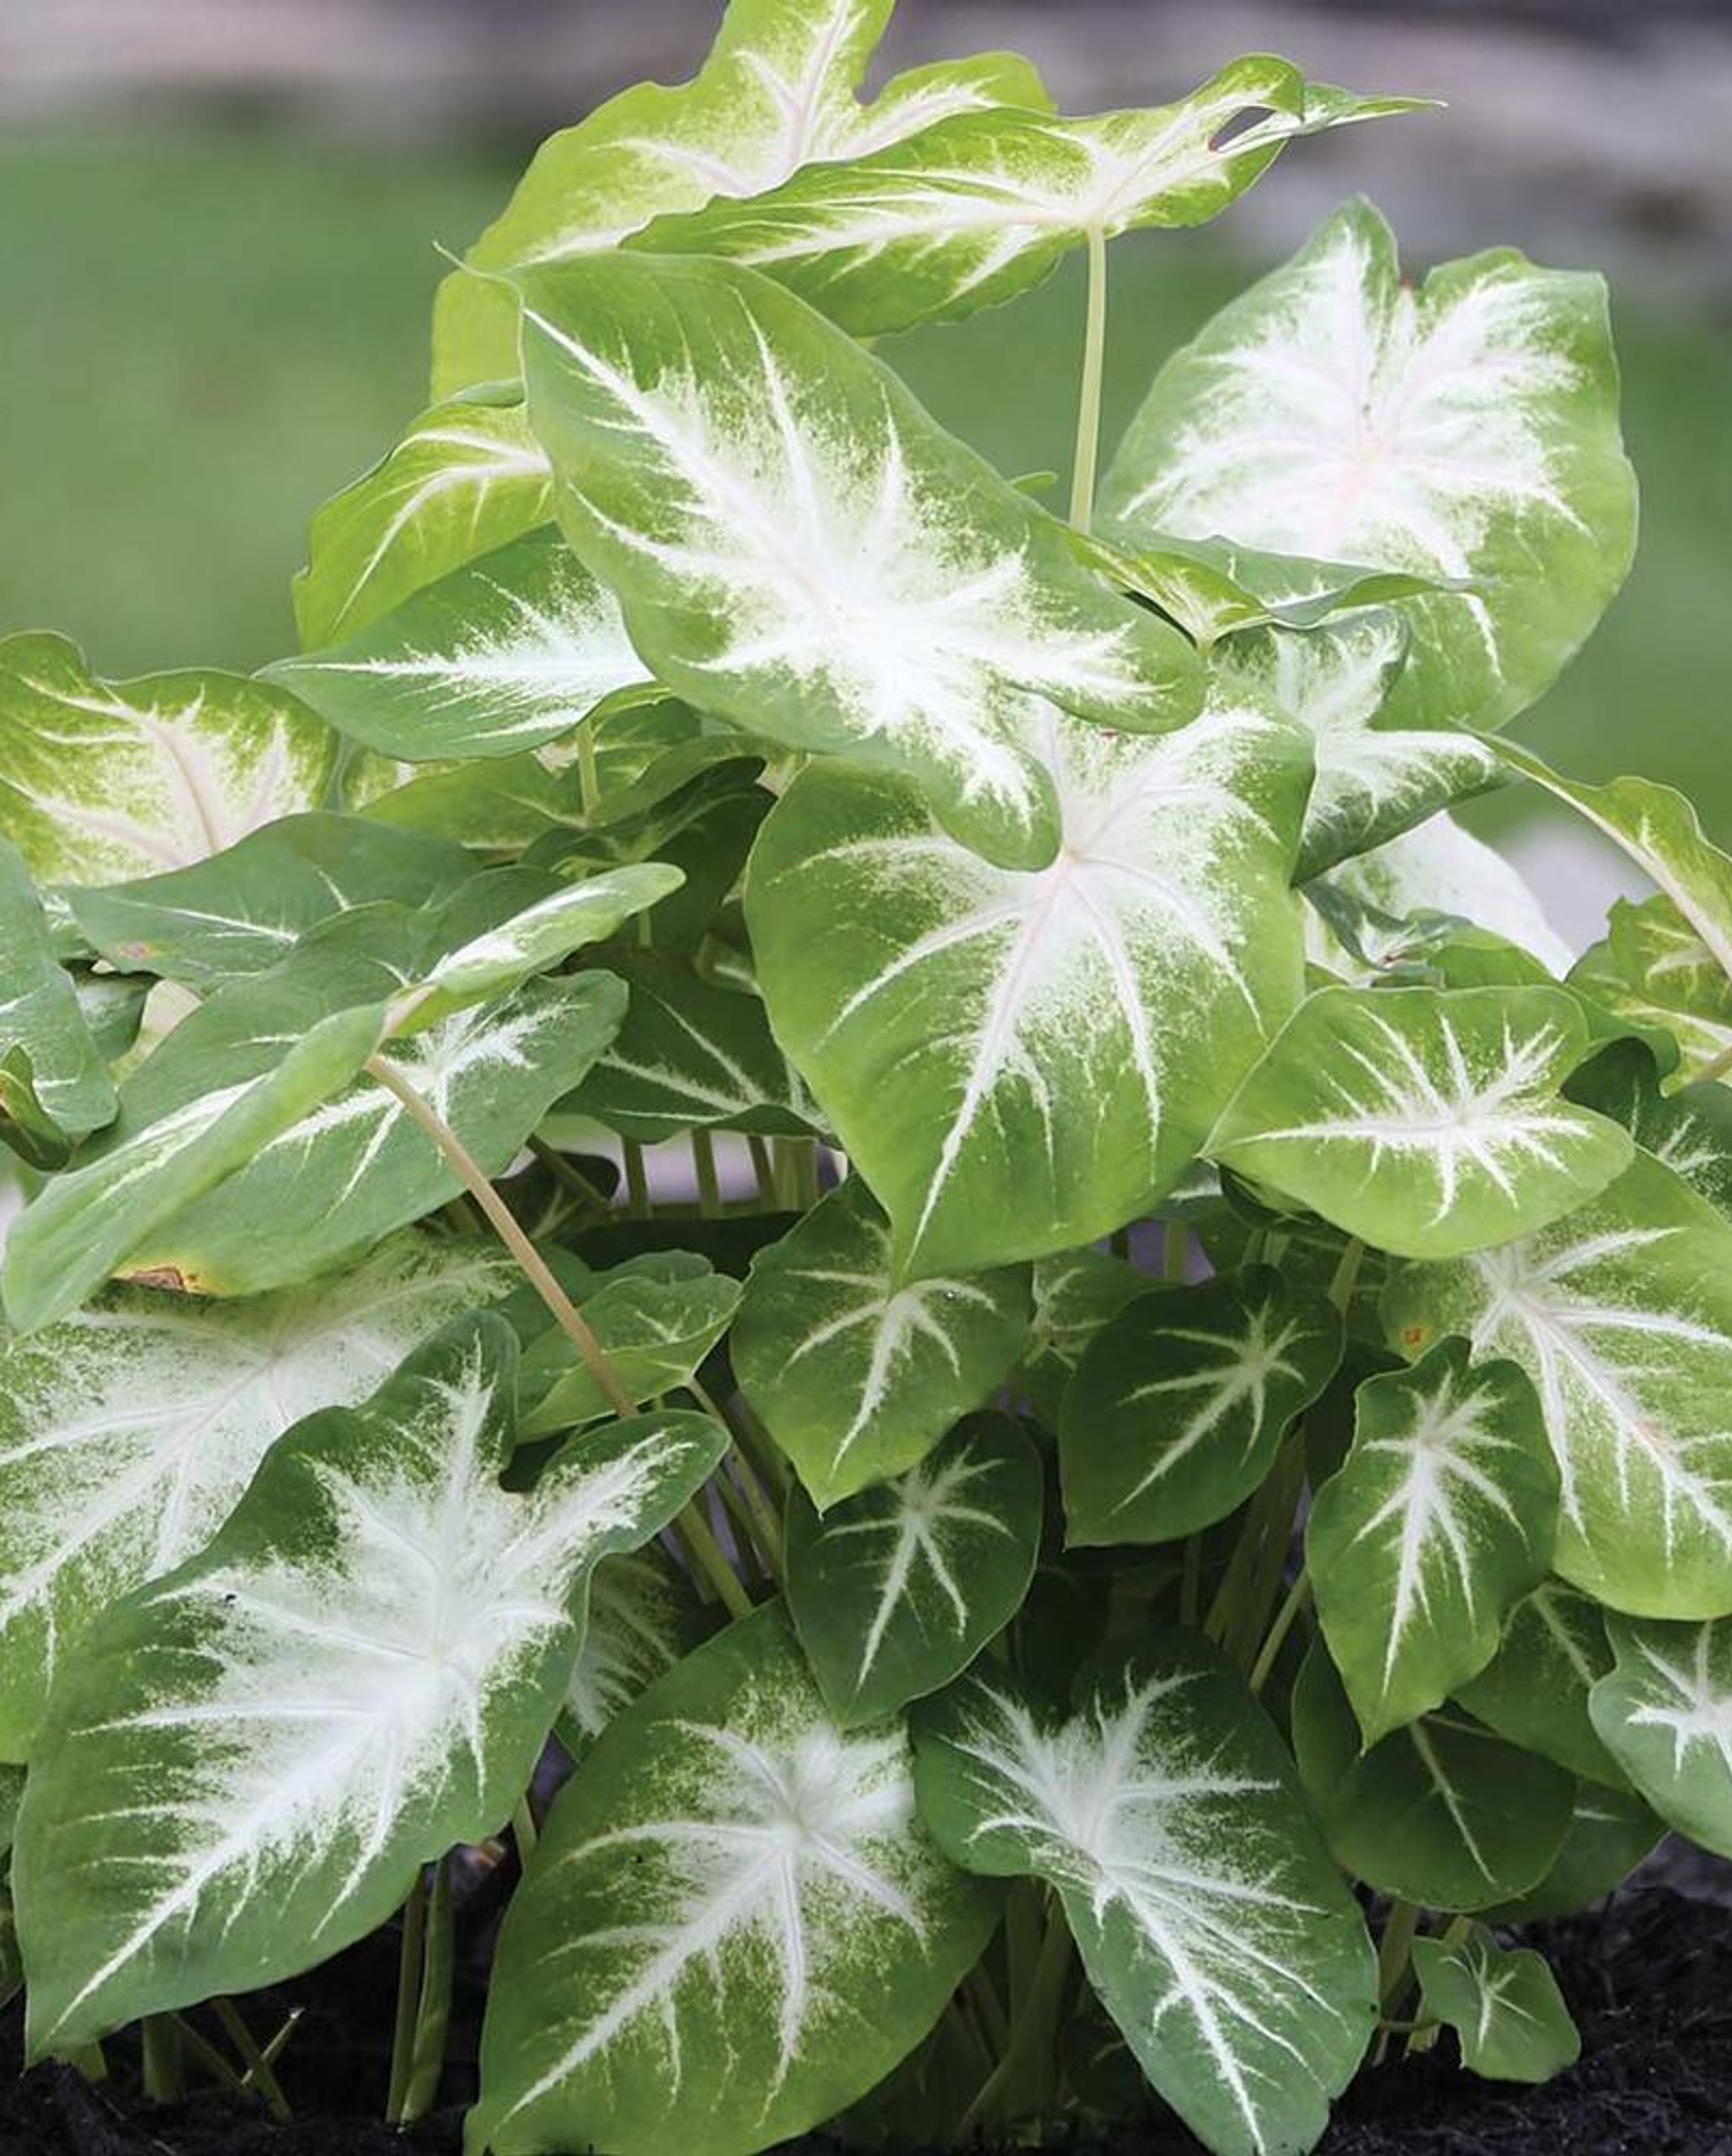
(1442, 1813)
(969, 1031)
(691, 1056)
(1466, 431)
(1534, 1688)
(54, 1086)
(894, 1592)
(1654, 971)
(1611, 1832)
(1427, 1123)
(129, 1430)
(1503, 2003)
(976, 209)
(1076, 1294)
(1180, 1404)
(898, 602)
(1210, 1918)
(722, 1882)
(1438, 867)
(1665, 1713)
(103, 780)
(855, 1376)
(645, 1615)
(1441, 1517)
(468, 477)
(1690, 1128)
(504, 654)
(250, 1759)
(779, 90)
(655, 1320)
(1621, 1314)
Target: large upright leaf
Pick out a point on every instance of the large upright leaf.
(504, 653)
(1468, 430)
(1179, 1407)
(800, 549)
(971, 211)
(102, 780)
(894, 1592)
(129, 1430)
(62, 1079)
(1664, 1712)
(855, 1376)
(249, 1761)
(733, 1926)
(1503, 2003)
(468, 477)
(1439, 1517)
(1426, 1122)
(778, 90)
(1210, 1918)
(1019, 1063)
(1621, 1314)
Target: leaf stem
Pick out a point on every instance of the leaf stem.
(1715, 1068)
(1345, 1276)
(1022, 2082)
(706, 1553)
(1094, 346)
(411, 1952)
(164, 2080)
(433, 2009)
(572, 1178)
(589, 779)
(524, 1830)
(259, 2073)
(709, 1188)
(1175, 1252)
(637, 1179)
(1297, 1596)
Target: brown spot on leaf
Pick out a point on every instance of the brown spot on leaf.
(161, 1276)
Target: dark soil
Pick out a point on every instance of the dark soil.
(1649, 1978)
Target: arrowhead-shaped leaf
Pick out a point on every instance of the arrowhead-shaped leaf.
(1441, 1517)
(468, 477)
(970, 1032)
(969, 212)
(1210, 1918)
(1621, 1314)
(1503, 2003)
(1534, 1688)
(894, 1592)
(54, 1086)
(1665, 1713)
(895, 598)
(504, 654)
(1442, 1813)
(1426, 1123)
(1468, 430)
(1179, 1405)
(103, 780)
(249, 1760)
(643, 1616)
(734, 1926)
(129, 1430)
(855, 1376)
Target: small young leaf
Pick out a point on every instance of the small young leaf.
(734, 1925)
(800, 549)
(645, 1615)
(504, 654)
(1427, 1122)
(894, 1592)
(1179, 1405)
(1438, 867)
(1665, 1713)
(959, 1022)
(1621, 1314)
(103, 780)
(1689, 1128)
(855, 1377)
(129, 1430)
(1441, 1516)
(1441, 1812)
(1535, 1690)
(1076, 1294)
(53, 1085)
(1467, 431)
(1503, 2003)
(656, 1321)
(1655, 972)
(248, 1761)
(1208, 1914)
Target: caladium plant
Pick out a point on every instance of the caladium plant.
(868, 1171)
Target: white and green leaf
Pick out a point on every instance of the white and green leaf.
(1439, 868)
(1535, 1690)
(54, 1086)
(1503, 2003)
(970, 1032)
(1664, 1710)
(894, 1592)
(1076, 1294)
(855, 1374)
(735, 1925)
(645, 1615)
(1688, 1128)
(1653, 970)
(655, 1319)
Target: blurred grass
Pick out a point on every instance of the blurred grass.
(206, 332)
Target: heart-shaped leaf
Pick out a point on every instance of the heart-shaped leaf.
(1426, 1123)
(894, 1592)
(54, 1085)
(1210, 1918)
(1179, 1405)
(856, 1377)
(1441, 1517)
(1535, 1690)
(248, 1762)
(1076, 1294)
(725, 1879)
(1503, 2003)
(1664, 1712)
(895, 600)
(971, 1031)
(1655, 970)
(1466, 431)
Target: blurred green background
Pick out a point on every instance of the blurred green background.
(208, 327)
